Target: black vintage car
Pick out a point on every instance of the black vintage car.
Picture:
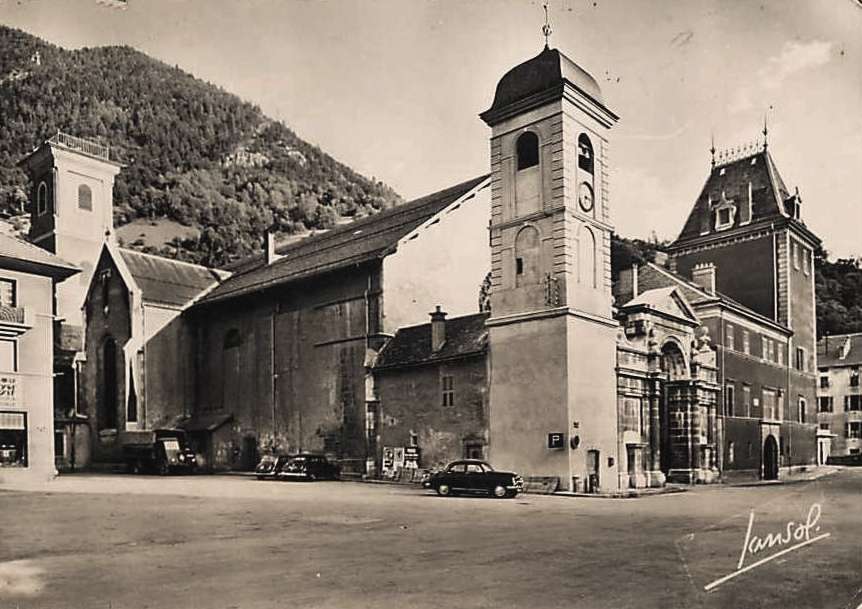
(270, 465)
(162, 451)
(473, 476)
(308, 467)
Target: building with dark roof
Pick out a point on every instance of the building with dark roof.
(839, 395)
(284, 346)
(431, 394)
(138, 371)
(744, 259)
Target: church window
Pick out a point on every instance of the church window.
(132, 404)
(85, 198)
(528, 150)
(795, 249)
(42, 199)
(586, 161)
(527, 257)
(108, 410)
(806, 261)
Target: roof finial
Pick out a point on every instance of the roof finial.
(546, 29)
(712, 148)
(765, 132)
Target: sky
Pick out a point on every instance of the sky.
(394, 88)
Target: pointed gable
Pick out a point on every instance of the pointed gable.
(742, 192)
(669, 301)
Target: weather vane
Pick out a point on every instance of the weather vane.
(546, 29)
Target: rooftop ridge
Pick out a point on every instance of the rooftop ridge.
(173, 260)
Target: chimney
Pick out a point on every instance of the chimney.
(703, 274)
(269, 246)
(438, 329)
(626, 286)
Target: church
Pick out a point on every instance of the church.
(694, 368)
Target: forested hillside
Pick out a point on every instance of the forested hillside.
(194, 153)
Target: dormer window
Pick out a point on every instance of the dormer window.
(725, 213)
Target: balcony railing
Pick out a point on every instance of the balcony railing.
(80, 144)
(14, 315)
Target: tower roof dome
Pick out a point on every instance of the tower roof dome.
(532, 81)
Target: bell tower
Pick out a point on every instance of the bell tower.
(71, 210)
(551, 331)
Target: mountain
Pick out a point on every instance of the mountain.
(197, 157)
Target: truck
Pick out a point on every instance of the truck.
(160, 451)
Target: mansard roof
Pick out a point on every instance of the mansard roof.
(466, 336)
(167, 281)
(839, 350)
(651, 276)
(728, 184)
(354, 243)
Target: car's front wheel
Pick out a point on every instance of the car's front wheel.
(500, 491)
(444, 490)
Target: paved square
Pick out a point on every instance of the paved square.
(228, 541)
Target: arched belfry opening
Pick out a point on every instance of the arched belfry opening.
(527, 176)
(527, 256)
(528, 150)
(586, 156)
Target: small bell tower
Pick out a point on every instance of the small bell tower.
(71, 209)
(551, 330)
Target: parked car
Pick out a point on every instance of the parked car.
(308, 467)
(270, 465)
(162, 451)
(474, 476)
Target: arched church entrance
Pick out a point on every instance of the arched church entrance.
(674, 368)
(770, 458)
